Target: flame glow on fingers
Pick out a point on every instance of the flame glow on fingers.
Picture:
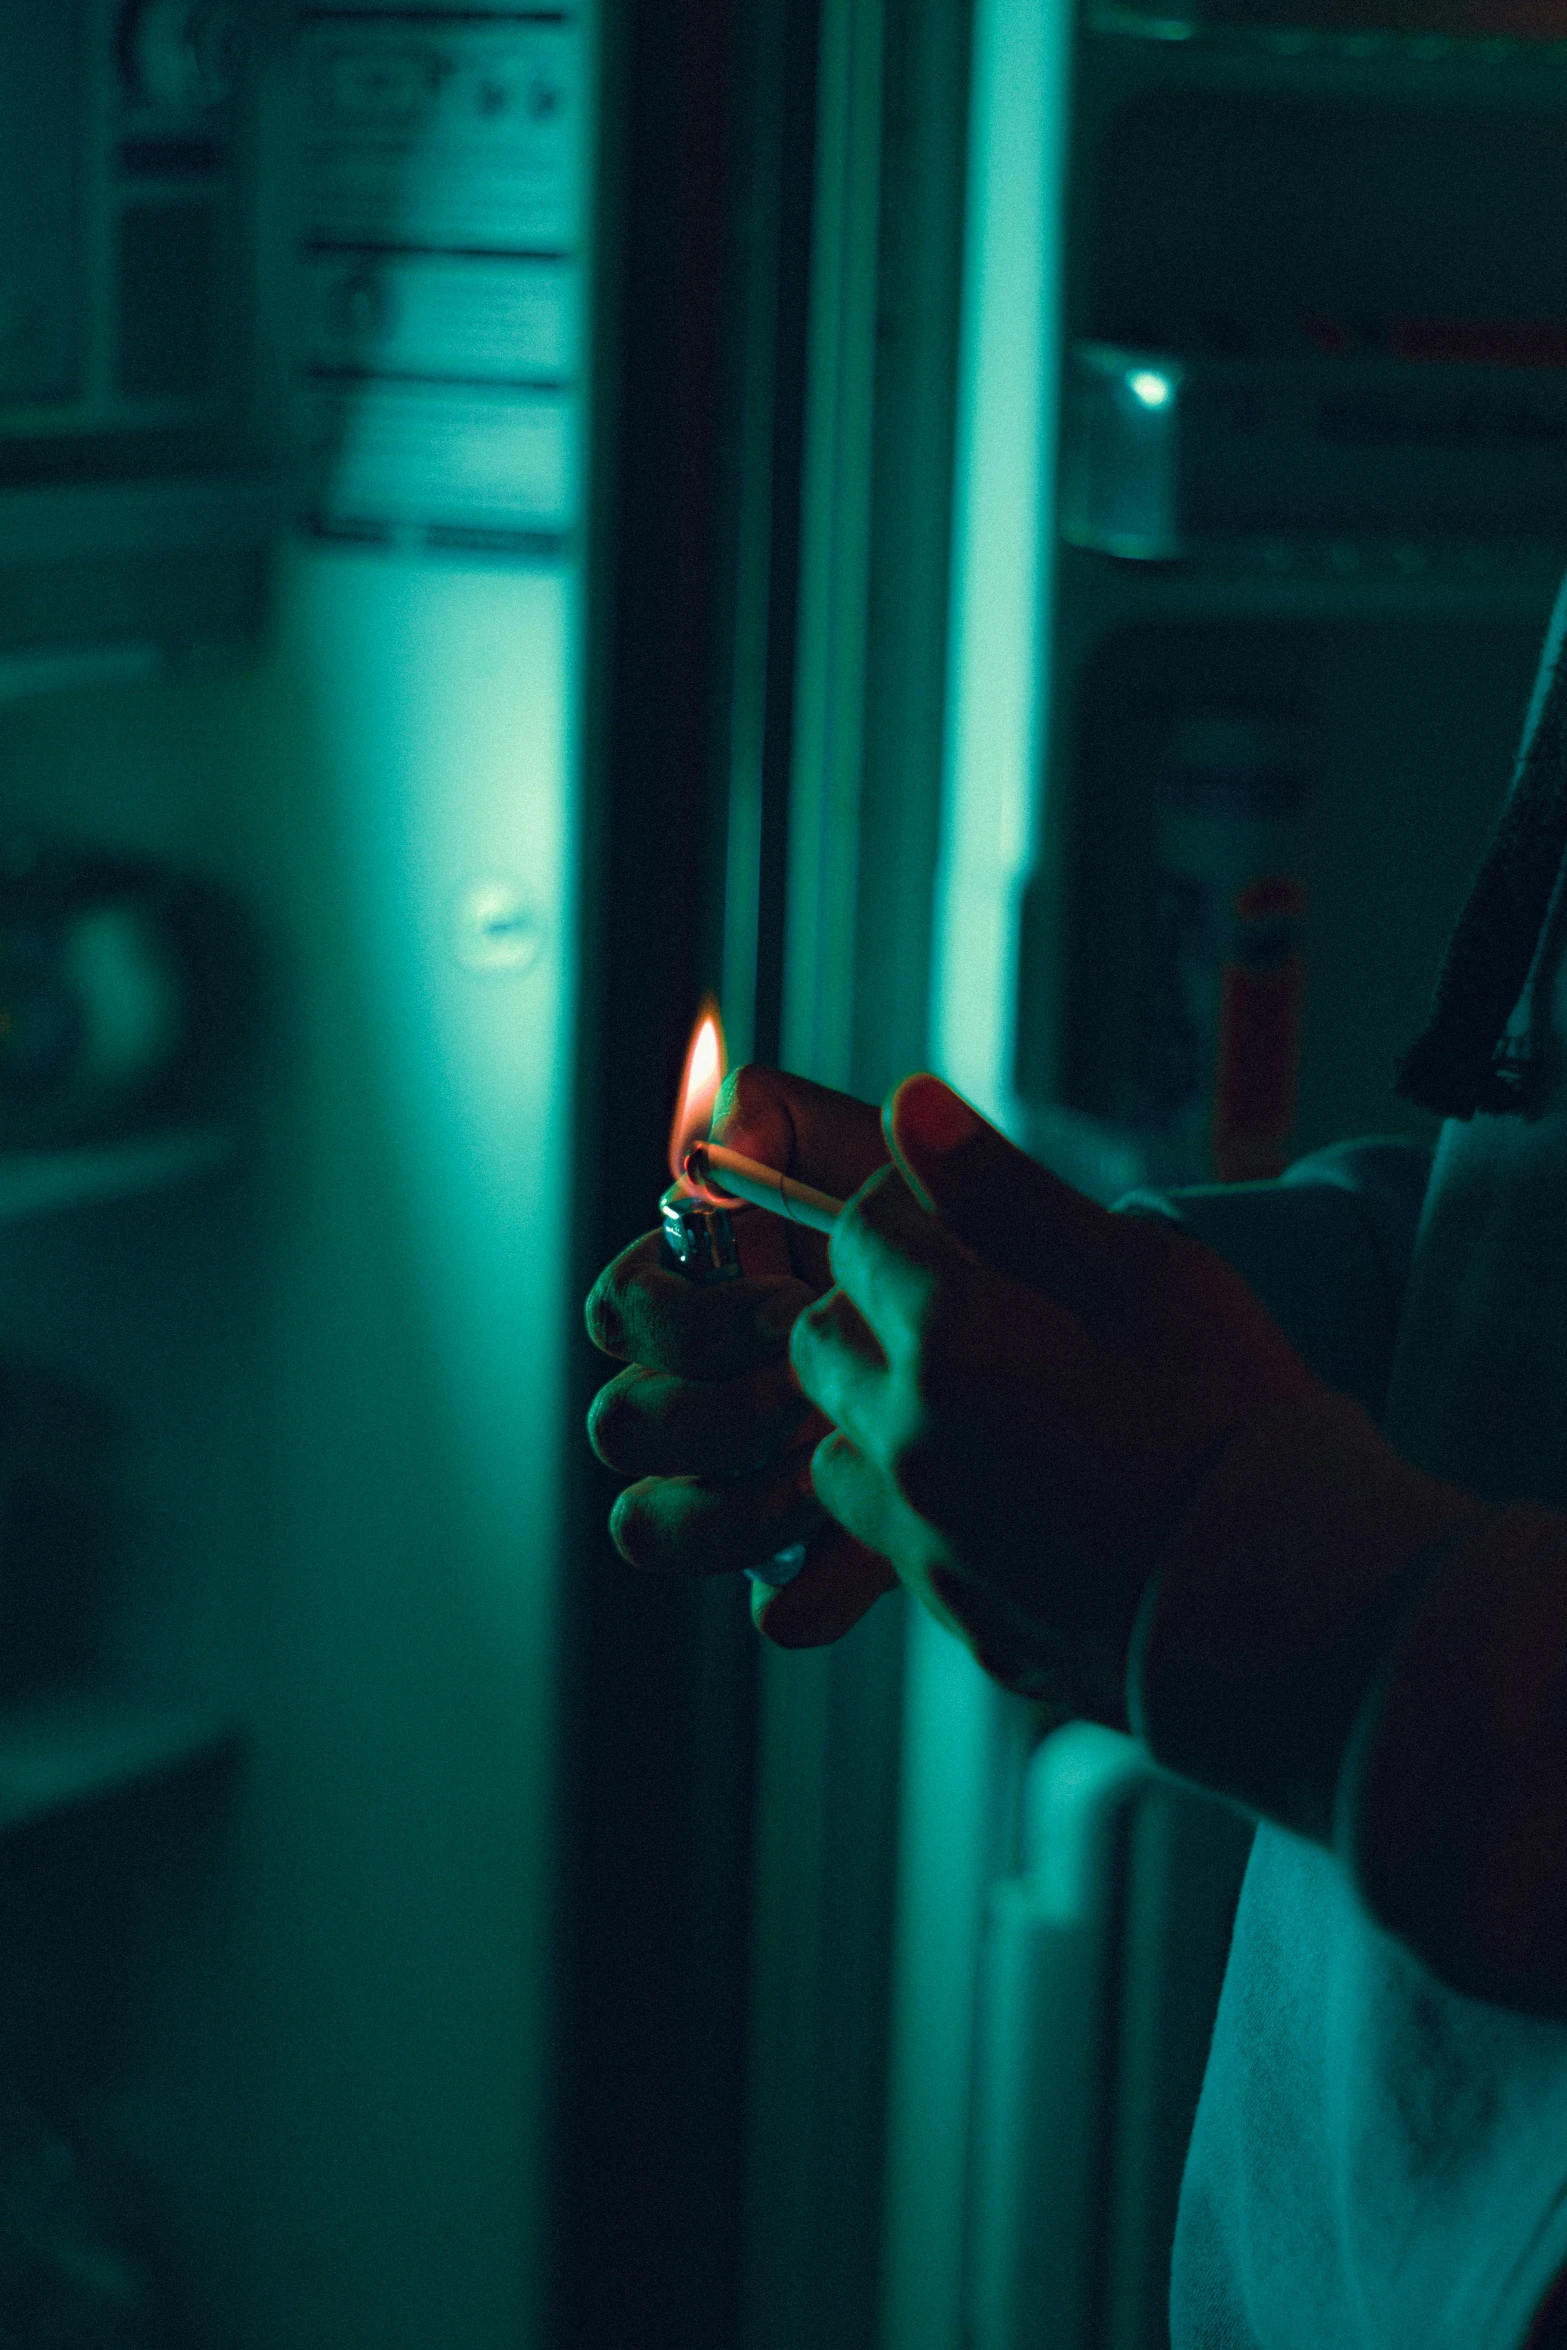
(707, 1064)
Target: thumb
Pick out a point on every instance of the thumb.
(1013, 1213)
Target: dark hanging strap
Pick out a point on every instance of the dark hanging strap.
(1462, 1061)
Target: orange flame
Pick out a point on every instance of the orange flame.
(707, 1063)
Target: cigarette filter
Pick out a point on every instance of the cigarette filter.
(713, 1168)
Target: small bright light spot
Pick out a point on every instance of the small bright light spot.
(1150, 387)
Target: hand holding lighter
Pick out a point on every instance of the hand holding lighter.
(703, 1240)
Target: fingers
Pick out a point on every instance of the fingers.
(716, 1526)
(1012, 1212)
(926, 1360)
(648, 1424)
(839, 1365)
(641, 1312)
(851, 1490)
(918, 1325)
(1020, 1653)
(890, 1257)
(839, 1583)
(866, 1503)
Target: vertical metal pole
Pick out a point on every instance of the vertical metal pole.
(964, 1739)
(657, 1673)
(827, 1756)
(772, 296)
(835, 548)
(757, 235)
(1004, 537)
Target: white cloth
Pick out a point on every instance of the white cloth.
(1379, 2162)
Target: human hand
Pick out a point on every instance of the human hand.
(707, 1420)
(1025, 1390)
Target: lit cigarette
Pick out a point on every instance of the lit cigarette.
(714, 1169)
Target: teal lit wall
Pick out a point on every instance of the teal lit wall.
(346, 1454)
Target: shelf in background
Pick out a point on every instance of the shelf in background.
(1451, 469)
(36, 1183)
(198, 548)
(1302, 580)
(1307, 58)
(218, 514)
(73, 1747)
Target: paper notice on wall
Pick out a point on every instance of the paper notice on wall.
(440, 275)
(462, 464)
(474, 317)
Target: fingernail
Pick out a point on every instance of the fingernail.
(932, 1115)
(780, 1569)
(604, 1324)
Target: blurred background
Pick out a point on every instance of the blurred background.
(989, 537)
